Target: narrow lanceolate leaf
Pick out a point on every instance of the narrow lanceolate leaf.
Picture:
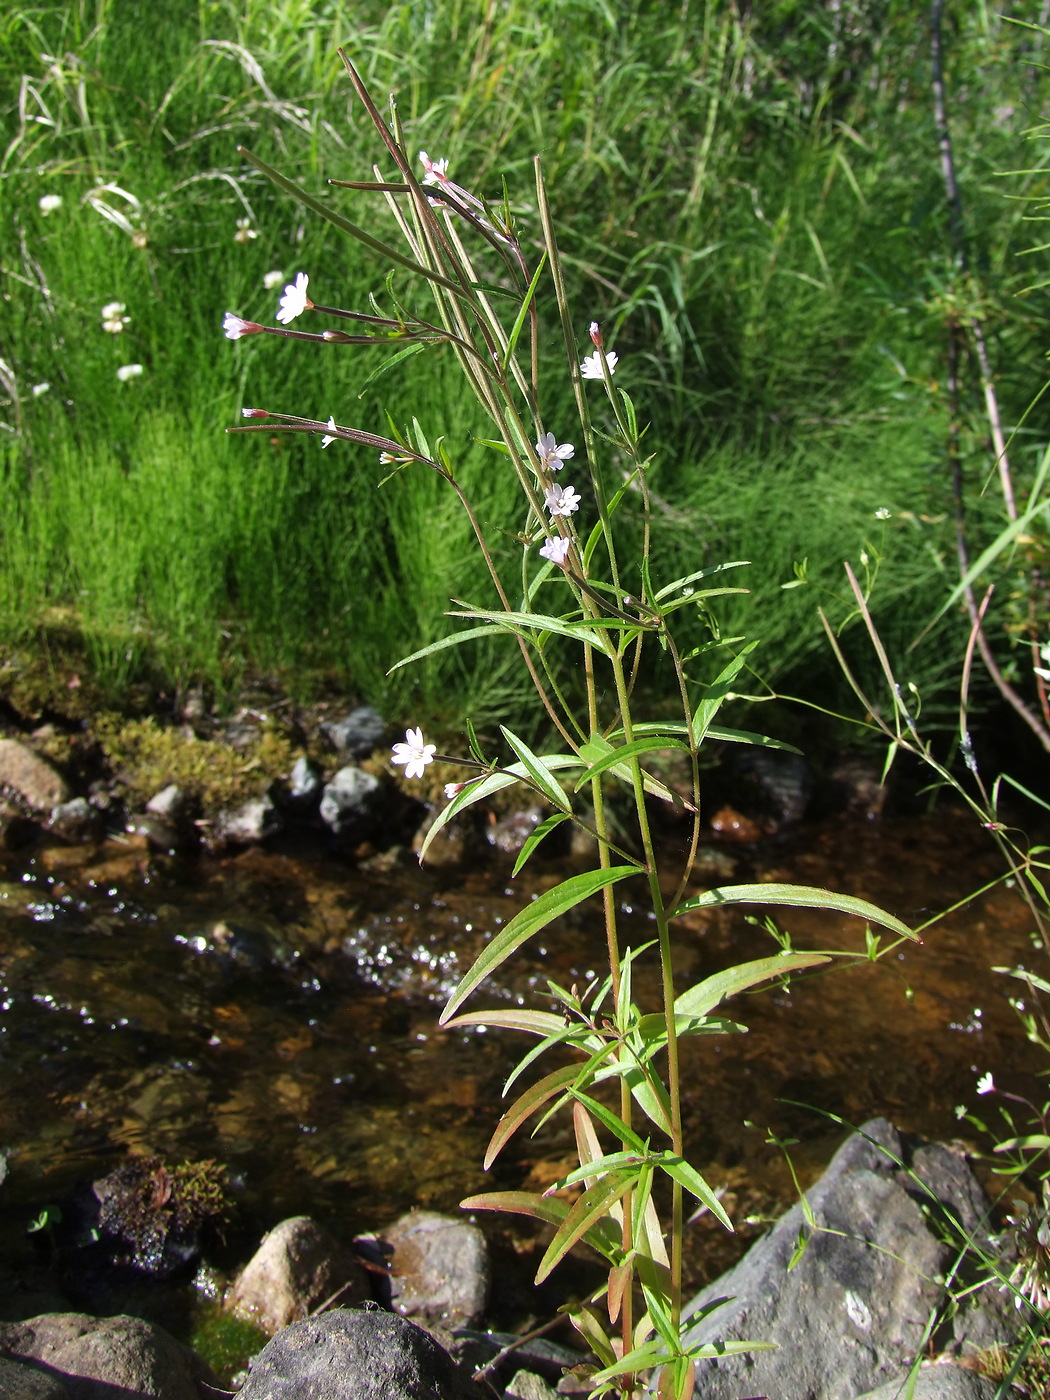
(720, 690)
(451, 641)
(541, 775)
(534, 917)
(620, 756)
(541, 833)
(801, 896)
(524, 1107)
(527, 623)
(586, 1212)
(670, 588)
(698, 1001)
(389, 363)
(602, 1237)
(679, 1170)
(485, 786)
(598, 748)
(511, 1018)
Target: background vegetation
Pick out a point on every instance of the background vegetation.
(751, 202)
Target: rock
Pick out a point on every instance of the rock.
(107, 1358)
(770, 783)
(160, 834)
(362, 731)
(75, 820)
(169, 804)
(511, 832)
(21, 1381)
(297, 1267)
(937, 1382)
(852, 1313)
(304, 783)
(855, 785)
(31, 776)
(248, 824)
(439, 1269)
(348, 799)
(525, 1385)
(355, 1355)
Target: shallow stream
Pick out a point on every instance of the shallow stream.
(277, 1010)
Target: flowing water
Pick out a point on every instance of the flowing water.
(277, 1011)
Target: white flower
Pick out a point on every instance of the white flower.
(111, 309)
(113, 319)
(245, 233)
(561, 500)
(273, 279)
(986, 1084)
(39, 389)
(553, 455)
(327, 438)
(591, 365)
(453, 789)
(882, 513)
(435, 170)
(555, 549)
(413, 753)
(594, 332)
(127, 372)
(235, 327)
(295, 301)
(49, 203)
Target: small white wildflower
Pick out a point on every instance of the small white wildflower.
(436, 170)
(49, 203)
(126, 372)
(986, 1084)
(413, 753)
(245, 233)
(272, 279)
(591, 365)
(552, 454)
(111, 309)
(113, 318)
(453, 789)
(883, 513)
(555, 549)
(295, 301)
(960, 1110)
(39, 389)
(235, 327)
(328, 437)
(561, 500)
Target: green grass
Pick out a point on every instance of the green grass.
(753, 208)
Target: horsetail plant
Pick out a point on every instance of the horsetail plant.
(622, 1079)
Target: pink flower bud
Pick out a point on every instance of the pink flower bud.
(235, 327)
(596, 335)
(254, 413)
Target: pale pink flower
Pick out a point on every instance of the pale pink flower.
(986, 1084)
(591, 365)
(327, 437)
(555, 549)
(561, 500)
(413, 753)
(553, 455)
(295, 301)
(235, 327)
(436, 170)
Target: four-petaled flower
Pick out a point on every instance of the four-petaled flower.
(49, 203)
(591, 365)
(235, 327)
(553, 455)
(328, 437)
(986, 1084)
(127, 372)
(295, 301)
(555, 549)
(561, 500)
(113, 318)
(413, 753)
(436, 170)
(245, 233)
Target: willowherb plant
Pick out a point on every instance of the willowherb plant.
(574, 592)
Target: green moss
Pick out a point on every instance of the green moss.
(226, 1343)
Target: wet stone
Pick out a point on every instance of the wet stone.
(75, 820)
(246, 825)
(510, 833)
(304, 783)
(20, 1380)
(359, 733)
(31, 777)
(170, 803)
(439, 1268)
(349, 799)
(297, 1267)
(160, 834)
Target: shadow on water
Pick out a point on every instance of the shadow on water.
(277, 1011)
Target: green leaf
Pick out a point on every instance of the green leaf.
(485, 786)
(519, 320)
(543, 830)
(537, 770)
(679, 1170)
(706, 995)
(451, 641)
(511, 1018)
(802, 896)
(718, 692)
(612, 1161)
(615, 1124)
(619, 756)
(1035, 1142)
(535, 916)
(597, 747)
(557, 1082)
(700, 573)
(586, 1212)
(389, 364)
(538, 622)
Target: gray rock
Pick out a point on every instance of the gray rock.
(362, 731)
(304, 782)
(20, 1380)
(159, 833)
(248, 824)
(349, 1355)
(297, 1267)
(439, 1268)
(75, 820)
(525, 1385)
(937, 1383)
(170, 803)
(32, 777)
(348, 799)
(852, 1313)
(107, 1358)
(511, 832)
